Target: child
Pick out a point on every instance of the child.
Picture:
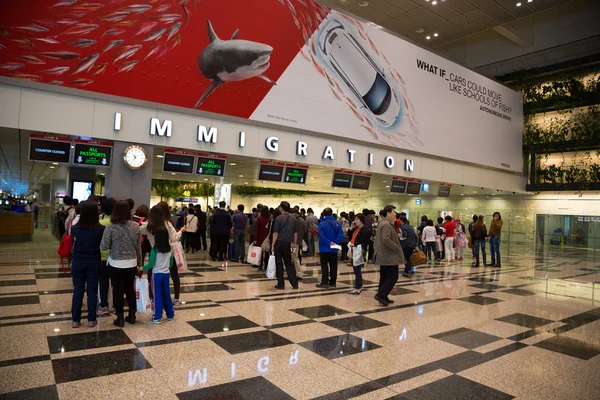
(160, 261)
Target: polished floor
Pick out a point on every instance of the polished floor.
(530, 330)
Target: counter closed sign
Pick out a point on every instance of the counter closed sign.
(92, 154)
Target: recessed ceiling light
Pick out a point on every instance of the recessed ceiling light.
(519, 4)
(363, 3)
(387, 186)
(419, 30)
(205, 179)
(173, 173)
(52, 166)
(159, 156)
(434, 2)
(72, 147)
(233, 163)
(462, 194)
(245, 183)
(435, 35)
(427, 37)
(54, 163)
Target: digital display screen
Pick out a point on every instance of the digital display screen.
(92, 154)
(341, 180)
(49, 151)
(413, 188)
(268, 172)
(183, 163)
(398, 186)
(295, 175)
(81, 190)
(210, 166)
(361, 182)
(444, 191)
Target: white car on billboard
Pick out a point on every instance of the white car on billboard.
(360, 73)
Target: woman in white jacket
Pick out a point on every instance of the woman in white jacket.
(428, 237)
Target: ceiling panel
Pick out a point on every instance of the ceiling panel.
(444, 11)
(385, 7)
(540, 5)
(426, 15)
(482, 18)
(371, 14)
(467, 24)
(462, 6)
(499, 12)
(405, 5)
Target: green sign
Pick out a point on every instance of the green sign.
(210, 166)
(295, 175)
(91, 154)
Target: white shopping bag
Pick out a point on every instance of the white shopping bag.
(357, 256)
(179, 256)
(271, 268)
(254, 255)
(142, 295)
(304, 246)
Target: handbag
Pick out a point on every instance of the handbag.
(418, 258)
(179, 256)
(471, 244)
(357, 256)
(142, 295)
(271, 268)
(254, 255)
(266, 245)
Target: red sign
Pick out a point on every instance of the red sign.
(46, 136)
(281, 164)
(294, 165)
(211, 155)
(176, 151)
(94, 141)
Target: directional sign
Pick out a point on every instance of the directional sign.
(179, 161)
(398, 186)
(361, 182)
(342, 180)
(49, 148)
(295, 174)
(211, 164)
(270, 171)
(92, 152)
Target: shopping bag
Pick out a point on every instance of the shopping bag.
(418, 258)
(271, 268)
(304, 246)
(266, 245)
(357, 256)
(179, 256)
(142, 295)
(471, 244)
(438, 244)
(254, 255)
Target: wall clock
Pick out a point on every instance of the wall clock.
(135, 157)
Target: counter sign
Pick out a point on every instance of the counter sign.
(92, 153)
(210, 164)
(295, 174)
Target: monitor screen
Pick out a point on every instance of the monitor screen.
(398, 186)
(210, 166)
(270, 172)
(295, 175)
(444, 191)
(341, 180)
(81, 190)
(92, 154)
(413, 188)
(49, 151)
(361, 182)
(174, 162)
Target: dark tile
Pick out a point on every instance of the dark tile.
(339, 346)
(238, 300)
(222, 324)
(528, 321)
(255, 275)
(95, 365)
(467, 338)
(578, 320)
(463, 361)
(523, 335)
(485, 285)
(170, 341)
(570, 347)
(53, 276)
(354, 324)
(308, 281)
(350, 282)
(351, 392)
(294, 323)
(19, 300)
(44, 392)
(27, 360)
(320, 311)
(520, 292)
(245, 342)
(456, 387)
(400, 306)
(481, 300)
(24, 282)
(204, 288)
(397, 291)
(87, 340)
(248, 389)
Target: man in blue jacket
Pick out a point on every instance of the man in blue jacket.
(330, 234)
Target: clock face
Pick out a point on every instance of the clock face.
(135, 157)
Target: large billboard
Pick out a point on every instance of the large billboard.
(314, 69)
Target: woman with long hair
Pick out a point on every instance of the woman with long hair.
(159, 215)
(495, 232)
(122, 238)
(87, 235)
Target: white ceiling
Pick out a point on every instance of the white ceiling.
(451, 19)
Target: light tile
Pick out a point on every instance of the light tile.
(26, 376)
(23, 341)
(419, 381)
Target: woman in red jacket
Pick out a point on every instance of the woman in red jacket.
(262, 232)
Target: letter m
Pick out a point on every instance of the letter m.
(161, 130)
(197, 377)
(209, 136)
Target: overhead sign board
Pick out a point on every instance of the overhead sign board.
(361, 182)
(413, 187)
(342, 179)
(398, 186)
(179, 161)
(211, 164)
(295, 173)
(271, 171)
(49, 148)
(92, 152)
(444, 190)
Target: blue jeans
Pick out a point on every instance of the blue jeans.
(84, 273)
(479, 244)
(358, 274)
(407, 253)
(239, 241)
(311, 244)
(495, 248)
(162, 295)
(430, 246)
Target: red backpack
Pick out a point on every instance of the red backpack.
(65, 248)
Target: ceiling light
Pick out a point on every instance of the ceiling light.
(363, 3)
(72, 147)
(311, 178)
(462, 194)
(387, 186)
(435, 35)
(173, 173)
(233, 163)
(159, 156)
(519, 4)
(54, 163)
(245, 183)
(241, 176)
(434, 2)
(205, 179)
(52, 166)
(427, 37)
(419, 30)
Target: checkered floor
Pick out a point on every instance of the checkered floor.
(530, 330)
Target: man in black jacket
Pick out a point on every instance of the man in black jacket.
(220, 227)
(201, 227)
(408, 242)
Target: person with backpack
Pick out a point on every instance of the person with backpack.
(330, 237)
(201, 233)
(160, 262)
(284, 240)
(87, 236)
(408, 242)
(62, 214)
(191, 227)
(122, 238)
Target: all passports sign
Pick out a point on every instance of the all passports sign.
(211, 164)
(295, 173)
(92, 152)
